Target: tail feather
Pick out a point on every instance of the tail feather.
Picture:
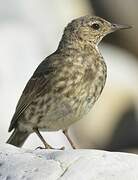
(18, 138)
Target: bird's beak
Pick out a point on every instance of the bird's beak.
(116, 27)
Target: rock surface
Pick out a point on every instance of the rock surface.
(23, 164)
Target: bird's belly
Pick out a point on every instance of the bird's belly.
(89, 100)
(59, 112)
(59, 117)
(50, 115)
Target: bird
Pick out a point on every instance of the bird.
(66, 84)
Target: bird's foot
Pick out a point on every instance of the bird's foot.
(39, 147)
(62, 148)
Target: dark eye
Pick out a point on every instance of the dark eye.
(95, 26)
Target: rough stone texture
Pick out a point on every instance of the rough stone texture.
(16, 164)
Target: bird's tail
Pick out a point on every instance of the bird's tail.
(18, 138)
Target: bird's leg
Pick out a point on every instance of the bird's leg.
(47, 146)
(67, 136)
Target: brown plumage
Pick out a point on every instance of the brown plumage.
(66, 84)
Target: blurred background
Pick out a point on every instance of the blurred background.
(31, 30)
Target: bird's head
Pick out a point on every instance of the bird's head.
(90, 29)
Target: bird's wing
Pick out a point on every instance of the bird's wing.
(34, 88)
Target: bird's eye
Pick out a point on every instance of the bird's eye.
(95, 26)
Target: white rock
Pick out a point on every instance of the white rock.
(16, 164)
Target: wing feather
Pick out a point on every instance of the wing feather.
(35, 86)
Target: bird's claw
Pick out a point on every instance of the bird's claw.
(39, 147)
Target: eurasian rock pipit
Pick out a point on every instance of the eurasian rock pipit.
(66, 84)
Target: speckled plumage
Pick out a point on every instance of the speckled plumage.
(66, 84)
